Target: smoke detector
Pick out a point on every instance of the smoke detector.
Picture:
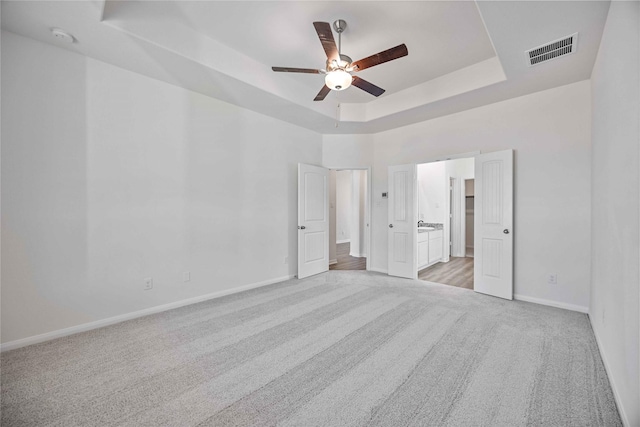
(62, 35)
(552, 50)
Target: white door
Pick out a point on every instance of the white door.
(403, 226)
(313, 220)
(493, 238)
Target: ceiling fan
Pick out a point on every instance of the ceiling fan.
(338, 74)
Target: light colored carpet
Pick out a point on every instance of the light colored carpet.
(339, 349)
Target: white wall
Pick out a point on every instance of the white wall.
(461, 168)
(432, 198)
(344, 202)
(109, 177)
(550, 133)
(615, 199)
(347, 151)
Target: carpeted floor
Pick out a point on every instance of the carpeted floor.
(345, 348)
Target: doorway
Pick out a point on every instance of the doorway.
(348, 219)
(443, 233)
(493, 222)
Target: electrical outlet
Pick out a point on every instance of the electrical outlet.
(186, 276)
(286, 260)
(148, 283)
(552, 279)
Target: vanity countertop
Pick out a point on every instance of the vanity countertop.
(426, 227)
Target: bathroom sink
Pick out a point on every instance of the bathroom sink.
(426, 228)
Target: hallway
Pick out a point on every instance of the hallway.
(346, 261)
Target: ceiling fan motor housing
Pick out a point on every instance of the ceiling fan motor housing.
(343, 64)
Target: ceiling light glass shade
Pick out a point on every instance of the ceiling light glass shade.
(338, 80)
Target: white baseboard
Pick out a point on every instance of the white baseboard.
(355, 255)
(333, 261)
(343, 241)
(551, 303)
(379, 270)
(11, 345)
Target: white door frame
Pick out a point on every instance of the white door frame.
(447, 224)
(367, 207)
(473, 154)
(454, 216)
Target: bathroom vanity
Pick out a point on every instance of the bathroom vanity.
(429, 246)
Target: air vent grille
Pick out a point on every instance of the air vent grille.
(555, 49)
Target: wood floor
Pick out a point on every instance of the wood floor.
(457, 272)
(346, 261)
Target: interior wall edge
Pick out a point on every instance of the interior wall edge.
(607, 368)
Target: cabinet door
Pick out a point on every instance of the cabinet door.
(423, 253)
(435, 250)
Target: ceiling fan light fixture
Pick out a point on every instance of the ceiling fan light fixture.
(338, 80)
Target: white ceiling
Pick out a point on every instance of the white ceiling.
(442, 37)
(462, 54)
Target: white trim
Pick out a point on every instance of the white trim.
(343, 241)
(379, 270)
(551, 303)
(333, 261)
(451, 157)
(11, 345)
(605, 362)
(357, 255)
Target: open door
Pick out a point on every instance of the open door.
(493, 263)
(403, 226)
(313, 220)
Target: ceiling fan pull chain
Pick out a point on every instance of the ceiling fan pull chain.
(337, 114)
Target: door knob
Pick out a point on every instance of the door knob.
(505, 231)
(301, 227)
(390, 225)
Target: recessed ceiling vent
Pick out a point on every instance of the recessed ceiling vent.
(555, 49)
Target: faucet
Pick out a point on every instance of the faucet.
(420, 222)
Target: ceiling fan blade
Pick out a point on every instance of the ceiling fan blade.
(295, 70)
(366, 86)
(326, 38)
(381, 57)
(322, 94)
